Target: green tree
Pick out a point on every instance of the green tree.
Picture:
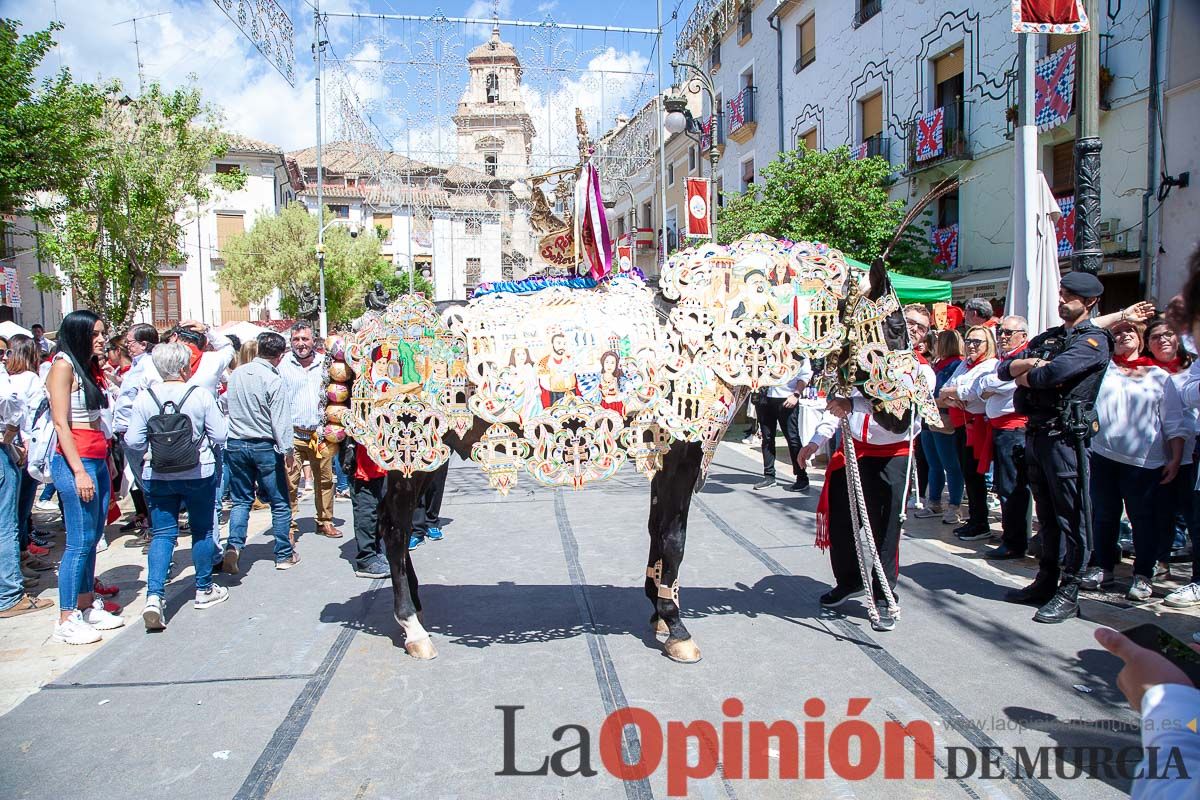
(112, 229)
(46, 128)
(832, 198)
(280, 253)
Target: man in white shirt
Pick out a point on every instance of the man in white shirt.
(304, 376)
(39, 338)
(778, 407)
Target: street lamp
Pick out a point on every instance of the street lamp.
(678, 119)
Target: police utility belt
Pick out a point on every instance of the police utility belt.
(1076, 419)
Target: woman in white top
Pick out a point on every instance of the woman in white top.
(78, 399)
(1130, 457)
(26, 385)
(980, 360)
(1182, 422)
(189, 486)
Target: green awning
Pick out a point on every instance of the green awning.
(913, 290)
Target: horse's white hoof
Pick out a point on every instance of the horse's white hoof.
(684, 651)
(422, 649)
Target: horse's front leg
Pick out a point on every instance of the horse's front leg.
(395, 528)
(670, 498)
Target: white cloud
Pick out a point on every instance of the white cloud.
(482, 9)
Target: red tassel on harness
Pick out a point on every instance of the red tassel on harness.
(836, 461)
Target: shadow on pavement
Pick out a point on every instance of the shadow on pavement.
(513, 614)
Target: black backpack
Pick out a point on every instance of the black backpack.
(170, 434)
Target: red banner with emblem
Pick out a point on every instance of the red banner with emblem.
(1049, 16)
(698, 199)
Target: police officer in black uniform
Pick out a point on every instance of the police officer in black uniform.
(1057, 386)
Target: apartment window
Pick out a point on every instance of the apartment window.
(809, 139)
(671, 174)
(228, 226)
(383, 223)
(473, 227)
(620, 226)
(948, 85)
(340, 211)
(864, 10)
(744, 15)
(747, 173)
(691, 159)
(474, 271)
(806, 43)
(947, 210)
(225, 169)
(493, 87)
(1062, 168)
(164, 302)
(489, 164)
(647, 215)
(871, 112)
(714, 55)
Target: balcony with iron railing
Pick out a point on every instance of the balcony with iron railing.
(866, 11)
(877, 145)
(938, 137)
(806, 58)
(707, 127)
(739, 119)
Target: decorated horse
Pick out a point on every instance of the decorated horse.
(546, 381)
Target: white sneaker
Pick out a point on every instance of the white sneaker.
(215, 594)
(951, 516)
(100, 619)
(930, 510)
(1184, 597)
(46, 505)
(1140, 590)
(75, 631)
(152, 614)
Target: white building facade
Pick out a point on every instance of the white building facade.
(860, 72)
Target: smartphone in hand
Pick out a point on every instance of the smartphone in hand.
(1177, 652)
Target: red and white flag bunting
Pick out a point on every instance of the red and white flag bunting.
(698, 200)
(1049, 16)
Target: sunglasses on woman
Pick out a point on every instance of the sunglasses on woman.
(977, 342)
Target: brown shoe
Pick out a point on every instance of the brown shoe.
(329, 531)
(24, 606)
(35, 563)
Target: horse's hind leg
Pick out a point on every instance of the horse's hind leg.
(670, 498)
(395, 528)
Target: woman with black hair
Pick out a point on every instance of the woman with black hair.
(78, 397)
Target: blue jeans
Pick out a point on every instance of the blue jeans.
(47, 493)
(944, 469)
(25, 497)
(85, 525)
(12, 585)
(256, 462)
(341, 482)
(164, 498)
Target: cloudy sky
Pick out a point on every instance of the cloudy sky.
(603, 73)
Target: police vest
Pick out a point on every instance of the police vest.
(1072, 402)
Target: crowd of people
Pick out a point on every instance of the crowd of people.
(1024, 422)
(199, 429)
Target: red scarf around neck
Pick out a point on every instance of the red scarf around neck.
(1173, 366)
(1133, 361)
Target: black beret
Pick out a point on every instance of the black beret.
(1083, 284)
